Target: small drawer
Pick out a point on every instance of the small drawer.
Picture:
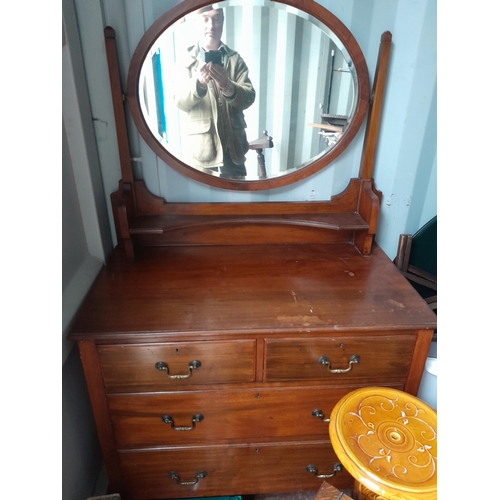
(196, 417)
(361, 359)
(234, 470)
(177, 364)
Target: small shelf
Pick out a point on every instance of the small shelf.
(145, 220)
(162, 223)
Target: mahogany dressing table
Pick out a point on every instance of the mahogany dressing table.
(219, 336)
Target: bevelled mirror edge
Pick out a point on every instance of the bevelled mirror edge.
(309, 7)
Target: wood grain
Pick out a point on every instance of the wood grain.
(220, 290)
(329, 492)
(258, 317)
(134, 365)
(254, 468)
(298, 359)
(229, 416)
(375, 109)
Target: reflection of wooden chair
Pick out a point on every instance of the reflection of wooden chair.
(416, 259)
(332, 127)
(338, 120)
(266, 141)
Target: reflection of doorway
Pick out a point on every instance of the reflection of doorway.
(339, 98)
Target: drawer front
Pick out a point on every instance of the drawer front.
(177, 364)
(229, 470)
(379, 359)
(196, 417)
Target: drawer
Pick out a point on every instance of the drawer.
(186, 418)
(177, 364)
(229, 470)
(369, 360)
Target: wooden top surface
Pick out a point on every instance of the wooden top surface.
(256, 288)
(387, 440)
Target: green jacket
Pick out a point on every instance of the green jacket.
(212, 120)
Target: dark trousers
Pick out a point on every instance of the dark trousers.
(229, 169)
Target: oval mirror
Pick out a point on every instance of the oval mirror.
(283, 96)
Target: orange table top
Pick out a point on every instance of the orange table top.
(387, 440)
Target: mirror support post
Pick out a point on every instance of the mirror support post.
(124, 200)
(375, 109)
(368, 207)
(118, 98)
(369, 198)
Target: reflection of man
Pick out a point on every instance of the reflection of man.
(213, 96)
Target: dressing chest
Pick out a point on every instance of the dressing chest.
(211, 370)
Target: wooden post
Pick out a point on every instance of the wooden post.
(124, 200)
(118, 107)
(375, 109)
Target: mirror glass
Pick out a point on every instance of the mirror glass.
(294, 96)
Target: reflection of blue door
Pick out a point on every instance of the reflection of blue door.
(160, 96)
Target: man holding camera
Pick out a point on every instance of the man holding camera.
(213, 91)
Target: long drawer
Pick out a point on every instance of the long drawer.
(340, 359)
(189, 417)
(178, 364)
(229, 470)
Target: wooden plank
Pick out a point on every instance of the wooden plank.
(422, 274)
(280, 287)
(424, 339)
(92, 371)
(369, 208)
(333, 128)
(329, 492)
(399, 260)
(118, 108)
(164, 223)
(375, 109)
(148, 203)
(421, 281)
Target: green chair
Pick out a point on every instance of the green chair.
(416, 259)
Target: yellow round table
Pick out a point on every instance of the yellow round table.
(387, 440)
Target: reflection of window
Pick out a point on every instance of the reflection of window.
(159, 95)
(152, 95)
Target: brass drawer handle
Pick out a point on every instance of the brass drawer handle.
(167, 419)
(353, 360)
(319, 414)
(336, 468)
(199, 475)
(193, 365)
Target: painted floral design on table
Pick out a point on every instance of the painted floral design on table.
(394, 439)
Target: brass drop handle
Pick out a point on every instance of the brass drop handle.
(167, 419)
(319, 414)
(199, 475)
(353, 360)
(193, 365)
(336, 468)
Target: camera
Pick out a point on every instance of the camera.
(213, 56)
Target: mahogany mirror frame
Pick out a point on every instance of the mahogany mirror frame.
(310, 7)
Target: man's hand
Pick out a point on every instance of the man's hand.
(221, 78)
(219, 75)
(204, 74)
